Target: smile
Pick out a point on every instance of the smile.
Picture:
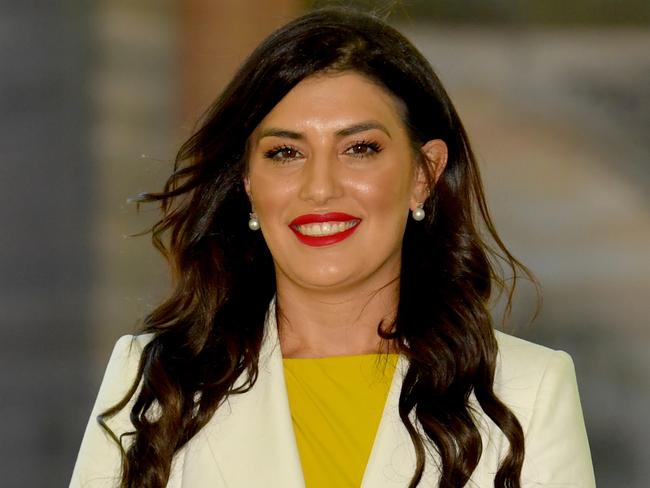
(324, 229)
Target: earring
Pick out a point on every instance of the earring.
(419, 213)
(253, 223)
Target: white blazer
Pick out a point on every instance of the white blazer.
(250, 442)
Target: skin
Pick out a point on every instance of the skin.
(336, 143)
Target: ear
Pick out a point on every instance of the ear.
(247, 185)
(435, 157)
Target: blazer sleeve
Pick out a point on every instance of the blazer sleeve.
(557, 450)
(99, 460)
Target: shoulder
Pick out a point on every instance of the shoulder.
(130, 347)
(518, 355)
(99, 462)
(539, 385)
(527, 374)
(122, 368)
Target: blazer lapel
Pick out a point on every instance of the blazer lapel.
(250, 440)
(392, 459)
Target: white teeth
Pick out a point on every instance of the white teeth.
(325, 228)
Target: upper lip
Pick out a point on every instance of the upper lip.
(324, 217)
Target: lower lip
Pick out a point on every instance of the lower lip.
(318, 241)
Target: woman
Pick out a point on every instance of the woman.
(325, 220)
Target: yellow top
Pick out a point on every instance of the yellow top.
(336, 404)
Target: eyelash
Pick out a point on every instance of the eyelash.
(275, 152)
(374, 146)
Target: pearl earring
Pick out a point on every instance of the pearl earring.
(253, 223)
(419, 213)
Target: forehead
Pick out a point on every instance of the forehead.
(334, 100)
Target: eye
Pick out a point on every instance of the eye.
(283, 153)
(362, 149)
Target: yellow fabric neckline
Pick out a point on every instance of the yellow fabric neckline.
(345, 356)
(336, 404)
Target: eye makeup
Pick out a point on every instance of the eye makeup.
(282, 152)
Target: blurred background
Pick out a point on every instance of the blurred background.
(95, 98)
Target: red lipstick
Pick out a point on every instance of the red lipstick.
(317, 241)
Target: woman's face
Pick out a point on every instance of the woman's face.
(332, 178)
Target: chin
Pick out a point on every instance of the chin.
(322, 277)
(325, 280)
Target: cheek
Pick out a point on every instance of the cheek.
(269, 196)
(387, 192)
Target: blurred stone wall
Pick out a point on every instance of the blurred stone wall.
(215, 38)
(507, 12)
(134, 96)
(47, 197)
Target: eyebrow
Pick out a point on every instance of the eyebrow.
(346, 131)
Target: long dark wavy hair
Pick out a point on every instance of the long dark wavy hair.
(209, 332)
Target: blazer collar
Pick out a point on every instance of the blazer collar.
(250, 440)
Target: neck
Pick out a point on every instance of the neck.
(321, 324)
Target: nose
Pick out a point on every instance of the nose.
(321, 179)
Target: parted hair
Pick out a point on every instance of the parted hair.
(208, 332)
